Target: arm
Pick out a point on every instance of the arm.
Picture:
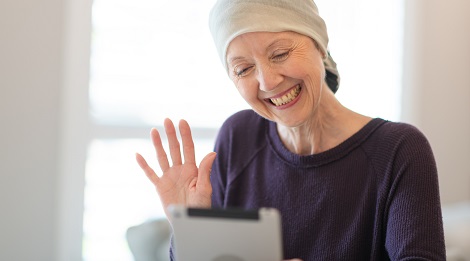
(414, 229)
(220, 169)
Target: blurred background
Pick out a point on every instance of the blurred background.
(82, 83)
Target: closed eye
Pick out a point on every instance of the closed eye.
(240, 72)
(280, 57)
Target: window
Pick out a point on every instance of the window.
(156, 59)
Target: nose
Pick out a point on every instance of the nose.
(269, 78)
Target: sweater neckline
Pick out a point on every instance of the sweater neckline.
(325, 157)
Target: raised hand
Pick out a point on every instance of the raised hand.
(182, 182)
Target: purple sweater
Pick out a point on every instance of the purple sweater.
(373, 197)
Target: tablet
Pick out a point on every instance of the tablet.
(226, 234)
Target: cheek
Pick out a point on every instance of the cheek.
(246, 90)
(312, 77)
(311, 71)
(314, 83)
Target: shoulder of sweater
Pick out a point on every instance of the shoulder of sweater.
(242, 117)
(395, 138)
(242, 136)
(399, 131)
(246, 123)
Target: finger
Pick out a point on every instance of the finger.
(161, 154)
(203, 178)
(188, 144)
(147, 169)
(173, 142)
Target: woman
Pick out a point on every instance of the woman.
(348, 187)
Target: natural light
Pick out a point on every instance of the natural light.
(155, 59)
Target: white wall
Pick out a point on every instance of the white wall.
(43, 78)
(43, 81)
(30, 82)
(436, 91)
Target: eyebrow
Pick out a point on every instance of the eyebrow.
(233, 59)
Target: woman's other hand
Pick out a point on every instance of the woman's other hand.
(182, 182)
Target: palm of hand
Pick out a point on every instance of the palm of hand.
(181, 183)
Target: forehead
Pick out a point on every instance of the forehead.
(261, 42)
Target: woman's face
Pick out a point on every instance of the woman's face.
(280, 75)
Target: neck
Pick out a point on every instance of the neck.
(330, 125)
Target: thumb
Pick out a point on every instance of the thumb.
(205, 166)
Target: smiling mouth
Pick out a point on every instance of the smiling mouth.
(286, 98)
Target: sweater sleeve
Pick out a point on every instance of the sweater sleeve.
(220, 166)
(241, 135)
(172, 249)
(414, 229)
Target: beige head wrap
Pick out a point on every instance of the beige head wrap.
(231, 18)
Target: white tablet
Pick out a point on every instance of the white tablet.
(226, 234)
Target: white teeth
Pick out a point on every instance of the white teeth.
(288, 97)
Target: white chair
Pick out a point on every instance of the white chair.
(150, 241)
